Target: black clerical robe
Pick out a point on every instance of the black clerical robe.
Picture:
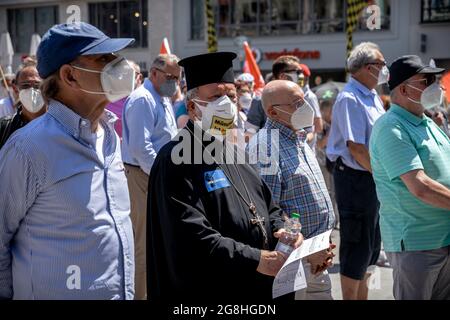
(201, 242)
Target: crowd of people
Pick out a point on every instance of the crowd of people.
(116, 186)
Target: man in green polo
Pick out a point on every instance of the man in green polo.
(410, 158)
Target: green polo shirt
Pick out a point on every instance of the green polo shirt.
(401, 142)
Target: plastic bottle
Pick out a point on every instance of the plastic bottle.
(293, 228)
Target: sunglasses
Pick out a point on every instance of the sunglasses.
(298, 72)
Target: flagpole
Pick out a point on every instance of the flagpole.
(2, 74)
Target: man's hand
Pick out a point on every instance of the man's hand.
(295, 244)
(322, 260)
(270, 262)
(361, 154)
(438, 118)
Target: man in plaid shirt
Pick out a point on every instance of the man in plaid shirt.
(290, 169)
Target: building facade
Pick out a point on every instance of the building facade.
(313, 30)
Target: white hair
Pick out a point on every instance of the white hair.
(192, 94)
(363, 53)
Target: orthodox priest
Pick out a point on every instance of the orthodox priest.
(212, 225)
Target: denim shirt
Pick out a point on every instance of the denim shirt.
(65, 230)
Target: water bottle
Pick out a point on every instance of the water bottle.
(293, 227)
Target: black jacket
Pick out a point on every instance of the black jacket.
(201, 244)
(10, 124)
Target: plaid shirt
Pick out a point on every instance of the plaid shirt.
(296, 182)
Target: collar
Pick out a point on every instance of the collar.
(297, 136)
(151, 88)
(362, 88)
(408, 116)
(74, 124)
(18, 114)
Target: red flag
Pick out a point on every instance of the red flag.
(445, 82)
(252, 68)
(165, 49)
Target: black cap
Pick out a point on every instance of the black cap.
(215, 67)
(407, 66)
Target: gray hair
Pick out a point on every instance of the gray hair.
(363, 53)
(191, 94)
(49, 86)
(162, 60)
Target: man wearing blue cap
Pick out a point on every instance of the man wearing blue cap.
(65, 230)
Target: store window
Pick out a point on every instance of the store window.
(197, 20)
(255, 18)
(124, 19)
(435, 11)
(24, 22)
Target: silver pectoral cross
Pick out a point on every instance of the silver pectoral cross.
(257, 220)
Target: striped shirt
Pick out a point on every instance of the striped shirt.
(295, 178)
(65, 230)
(402, 142)
(148, 124)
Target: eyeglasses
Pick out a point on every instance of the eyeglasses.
(428, 80)
(297, 71)
(27, 85)
(168, 76)
(296, 105)
(382, 63)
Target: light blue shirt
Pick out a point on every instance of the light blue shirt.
(148, 123)
(65, 229)
(355, 111)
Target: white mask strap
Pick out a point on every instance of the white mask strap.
(414, 87)
(84, 69)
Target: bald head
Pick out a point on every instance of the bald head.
(280, 92)
(279, 100)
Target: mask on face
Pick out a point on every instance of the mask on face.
(432, 96)
(117, 79)
(245, 101)
(218, 115)
(302, 118)
(293, 76)
(31, 99)
(383, 75)
(168, 88)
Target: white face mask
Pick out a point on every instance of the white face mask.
(245, 101)
(31, 99)
(218, 115)
(302, 118)
(294, 76)
(117, 79)
(432, 96)
(383, 75)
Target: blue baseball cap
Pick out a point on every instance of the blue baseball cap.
(62, 43)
